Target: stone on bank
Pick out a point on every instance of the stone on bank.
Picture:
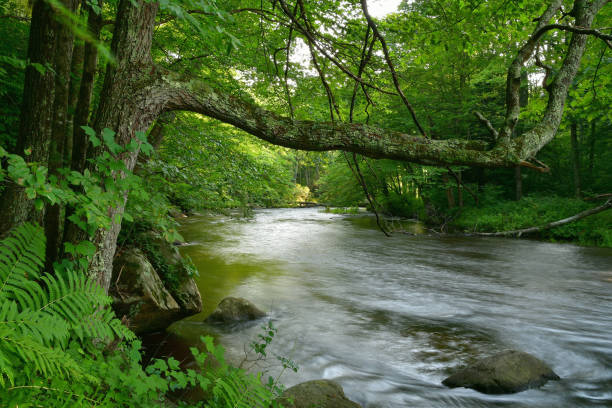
(144, 298)
(316, 393)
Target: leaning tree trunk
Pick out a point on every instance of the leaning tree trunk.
(36, 114)
(128, 84)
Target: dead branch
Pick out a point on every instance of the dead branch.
(488, 124)
(543, 168)
(579, 216)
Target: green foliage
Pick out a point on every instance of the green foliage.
(44, 316)
(202, 164)
(539, 210)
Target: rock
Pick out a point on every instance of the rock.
(139, 293)
(316, 393)
(186, 292)
(231, 310)
(504, 373)
(177, 213)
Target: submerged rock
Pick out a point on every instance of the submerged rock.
(139, 293)
(316, 393)
(507, 372)
(232, 310)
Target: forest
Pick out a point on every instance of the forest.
(121, 120)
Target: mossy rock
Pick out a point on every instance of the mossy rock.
(183, 288)
(233, 310)
(504, 373)
(316, 394)
(139, 294)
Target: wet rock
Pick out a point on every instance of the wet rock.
(507, 372)
(232, 310)
(139, 293)
(183, 289)
(316, 393)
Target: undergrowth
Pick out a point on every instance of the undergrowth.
(539, 210)
(61, 345)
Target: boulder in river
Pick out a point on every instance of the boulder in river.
(139, 293)
(507, 372)
(316, 393)
(233, 310)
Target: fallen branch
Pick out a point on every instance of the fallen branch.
(550, 225)
(598, 197)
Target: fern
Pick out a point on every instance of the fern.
(40, 313)
(48, 356)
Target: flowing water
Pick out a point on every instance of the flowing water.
(390, 318)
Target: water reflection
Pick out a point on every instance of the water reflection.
(390, 317)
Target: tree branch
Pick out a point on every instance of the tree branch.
(513, 81)
(488, 124)
(607, 38)
(184, 93)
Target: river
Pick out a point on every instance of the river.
(390, 318)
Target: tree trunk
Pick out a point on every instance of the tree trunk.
(81, 115)
(76, 72)
(575, 159)
(450, 198)
(78, 154)
(36, 112)
(459, 189)
(592, 138)
(128, 84)
(518, 183)
(62, 66)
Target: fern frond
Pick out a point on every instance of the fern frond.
(238, 389)
(32, 358)
(21, 257)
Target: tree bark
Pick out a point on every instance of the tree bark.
(76, 72)
(36, 112)
(129, 84)
(78, 160)
(81, 115)
(62, 66)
